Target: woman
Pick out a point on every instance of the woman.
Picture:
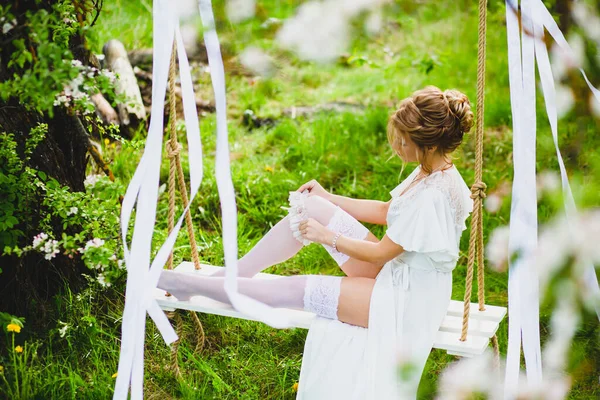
(387, 309)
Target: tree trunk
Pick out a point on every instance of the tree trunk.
(28, 283)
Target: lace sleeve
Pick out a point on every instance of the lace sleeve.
(430, 218)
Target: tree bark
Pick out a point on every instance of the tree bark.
(29, 283)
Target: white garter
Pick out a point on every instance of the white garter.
(321, 295)
(340, 222)
(297, 213)
(348, 226)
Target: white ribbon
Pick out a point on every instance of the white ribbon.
(523, 284)
(143, 190)
(256, 310)
(543, 19)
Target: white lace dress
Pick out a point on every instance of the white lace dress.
(408, 303)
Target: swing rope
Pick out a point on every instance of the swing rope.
(176, 176)
(175, 168)
(478, 191)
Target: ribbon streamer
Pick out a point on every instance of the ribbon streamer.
(523, 280)
(142, 193)
(523, 284)
(259, 311)
(540, 15)
(143, 190)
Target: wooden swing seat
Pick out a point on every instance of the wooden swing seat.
(482, 324)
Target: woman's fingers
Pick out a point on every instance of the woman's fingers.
(307, 185)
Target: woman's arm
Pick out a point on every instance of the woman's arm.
(371, 211)
(376, 253)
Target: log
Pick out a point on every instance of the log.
(201, 104)
(104, 110)
(336, 106)
(132, 112)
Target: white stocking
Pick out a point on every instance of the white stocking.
(284, 240)
(318, 294)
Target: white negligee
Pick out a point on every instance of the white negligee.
(408, 303)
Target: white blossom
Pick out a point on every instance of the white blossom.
(470, 375)
(574, 239)
(95, 242)
(6, 27)
(492, 203)
(497, 248)
(239, 10)
(91, 180)
(39, 239)
(63, 330)
(257, 61)
(565, 100)
(320, 29)
(374, 22)
(109, 74)
(547, 182)
(587, 19)
(61, 99)
(72, 211)
(565, 318)
(102, 280)
(51, 249)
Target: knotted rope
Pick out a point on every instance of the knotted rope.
(478, 191)
(173, 148)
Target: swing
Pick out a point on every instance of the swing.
(476, 323)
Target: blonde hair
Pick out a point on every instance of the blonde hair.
(432, 117)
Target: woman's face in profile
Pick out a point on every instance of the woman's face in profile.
(405, 148)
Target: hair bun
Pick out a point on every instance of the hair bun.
(460, 106)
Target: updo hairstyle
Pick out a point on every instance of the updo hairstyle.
(432, 117)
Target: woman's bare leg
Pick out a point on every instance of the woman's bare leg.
(351, 305)
(355, 300)
(279, 244)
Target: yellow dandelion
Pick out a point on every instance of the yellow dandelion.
(106, 142)
(114, 375)
(19, 349)
(113, 145)
(268, 168)
(1, 369)
(13, 328)
(295, 387)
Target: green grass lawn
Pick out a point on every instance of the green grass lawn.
(429, 43)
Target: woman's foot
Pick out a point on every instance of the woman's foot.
(175, 283)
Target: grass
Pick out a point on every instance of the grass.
(432, 43)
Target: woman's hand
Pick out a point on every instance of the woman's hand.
(314, 188)
(312, 230)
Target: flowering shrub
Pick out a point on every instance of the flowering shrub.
(71, 224)
(42, 81)
(75, 94)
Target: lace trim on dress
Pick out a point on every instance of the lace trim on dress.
(450, 186)
(321, 295)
